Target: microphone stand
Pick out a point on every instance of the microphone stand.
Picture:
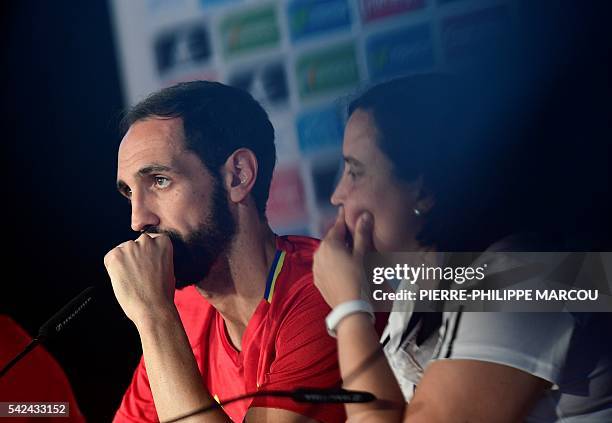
(33, 344)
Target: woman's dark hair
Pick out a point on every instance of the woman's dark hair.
(432, 127)
(217, 120)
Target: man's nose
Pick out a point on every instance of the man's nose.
(337, 198)
(142, 214)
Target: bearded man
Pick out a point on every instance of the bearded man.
(223, 306)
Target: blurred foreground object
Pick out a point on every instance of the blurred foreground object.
(36, 378)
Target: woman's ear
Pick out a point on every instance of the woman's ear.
(424, 200)
(424, 203)
(240, 174)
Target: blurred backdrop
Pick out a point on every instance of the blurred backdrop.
(71, 68)
(302, 59)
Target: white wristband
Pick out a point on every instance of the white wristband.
(347, 308)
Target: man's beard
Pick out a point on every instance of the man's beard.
(195, 254)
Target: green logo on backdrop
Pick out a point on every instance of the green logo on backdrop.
(249, 30)
(327, 70)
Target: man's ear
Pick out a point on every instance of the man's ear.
(240, 174)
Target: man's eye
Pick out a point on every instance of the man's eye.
(162, 181)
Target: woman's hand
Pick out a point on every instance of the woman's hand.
(338, 269)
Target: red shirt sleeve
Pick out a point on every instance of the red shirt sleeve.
(306, 356)
(137, 403)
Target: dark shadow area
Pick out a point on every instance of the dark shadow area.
(60, 106)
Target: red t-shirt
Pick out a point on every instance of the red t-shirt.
(36, 378)
(285, 345)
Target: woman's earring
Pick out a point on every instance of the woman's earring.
(416, 211)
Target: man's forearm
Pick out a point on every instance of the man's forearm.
(173, 374)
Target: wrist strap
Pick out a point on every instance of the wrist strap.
(345, 309)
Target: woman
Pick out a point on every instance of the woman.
(413, 181)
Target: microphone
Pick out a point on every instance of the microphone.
(54, 325)
(62, 318)
(326, 396)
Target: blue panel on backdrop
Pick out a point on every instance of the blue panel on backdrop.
(319, 129)
(399, 52)
(206, 3)
(312, 17)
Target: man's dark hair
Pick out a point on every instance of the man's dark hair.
(217, 120)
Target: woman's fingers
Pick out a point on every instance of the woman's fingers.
(362, 242)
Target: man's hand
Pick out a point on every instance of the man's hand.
(338, 271)
(142, 275)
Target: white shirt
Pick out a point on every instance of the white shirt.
(573, 351)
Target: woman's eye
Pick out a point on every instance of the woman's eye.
(162, 181)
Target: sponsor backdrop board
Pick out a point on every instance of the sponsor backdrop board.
(302, 59)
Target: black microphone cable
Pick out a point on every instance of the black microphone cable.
(331, 395)
(54, 325)
(309, 395)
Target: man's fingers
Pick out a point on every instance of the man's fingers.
(143, 237)
(363, 235)
(159, 239)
